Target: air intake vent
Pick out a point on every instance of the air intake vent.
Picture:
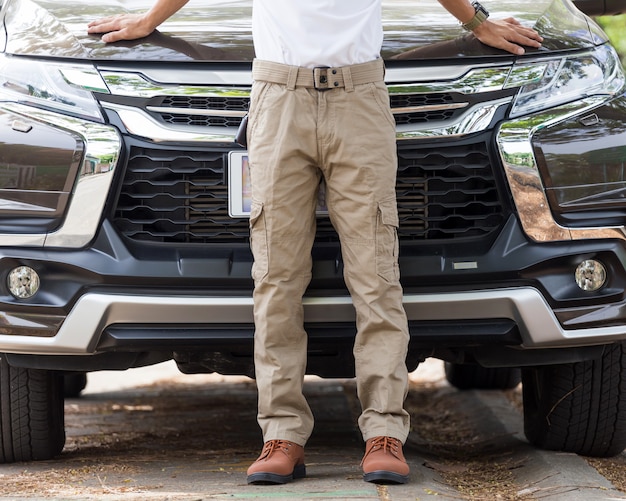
(171, 196)
(446, 192)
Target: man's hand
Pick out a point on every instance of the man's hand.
(507, 34)
(122, 27)
(132, 26)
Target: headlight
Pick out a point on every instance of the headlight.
(65, 88)
(547, 84)
(46, 112)
(39, 165)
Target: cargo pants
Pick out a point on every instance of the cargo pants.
(296, 135)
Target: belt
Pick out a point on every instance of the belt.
(321, 77)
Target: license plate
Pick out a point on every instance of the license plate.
(240, 190)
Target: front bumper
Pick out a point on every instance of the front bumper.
(516, 293)
(93, 314)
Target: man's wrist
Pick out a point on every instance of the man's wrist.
(149, 21)
(480, 16)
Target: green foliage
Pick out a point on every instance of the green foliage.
(615, 28)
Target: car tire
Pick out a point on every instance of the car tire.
(73, 384)
(578, 407)
(477, 377)
(31, 413)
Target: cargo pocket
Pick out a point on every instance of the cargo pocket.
(258, 241)
(387, 246)
(381, 98)
(257, 107)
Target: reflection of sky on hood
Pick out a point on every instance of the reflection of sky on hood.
(429, 13)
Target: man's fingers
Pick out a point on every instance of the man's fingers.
(509, 35)
(122, 27)
(512, 20)
(531, 35)
(512, 48)
(529, 39)
(113, 31)
(113, 36)
(103, 24)
(521, 34)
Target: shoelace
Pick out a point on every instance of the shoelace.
(273, 445)
(386, 444)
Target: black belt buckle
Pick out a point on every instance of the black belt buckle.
(320, 77)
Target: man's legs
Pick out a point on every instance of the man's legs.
(360, 170)
(350, 134)
(282, 224)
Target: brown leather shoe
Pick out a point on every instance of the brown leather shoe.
(280, 462)
(384, 462)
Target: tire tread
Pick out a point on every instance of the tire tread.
(31, 414)
(578, 407)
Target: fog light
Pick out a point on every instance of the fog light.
(590, 275)
(23, 282)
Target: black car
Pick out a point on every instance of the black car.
(124, 220)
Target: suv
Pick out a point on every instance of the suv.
(124, 228)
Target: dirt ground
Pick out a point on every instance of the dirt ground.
(481, 471)
(176, 436)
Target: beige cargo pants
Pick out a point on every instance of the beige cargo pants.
(296, 134)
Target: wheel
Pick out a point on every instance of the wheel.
(578, 407)
(73, 384)
(31, 413)
(477, 377)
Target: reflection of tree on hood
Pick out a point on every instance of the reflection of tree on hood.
(195, 51)
(466, 45)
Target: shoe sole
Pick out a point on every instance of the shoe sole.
(385, 477)
(266, 478)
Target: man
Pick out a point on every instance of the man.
(319, 107)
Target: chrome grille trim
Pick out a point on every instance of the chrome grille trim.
(151, 81)
(196, 112)
(476, 119)
(129, 84)
(421, 107)
(141, 124)
(514, 141)
(431, 107)
(474, 81)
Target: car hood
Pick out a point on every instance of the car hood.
(219, 30)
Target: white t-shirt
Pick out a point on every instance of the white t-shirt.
(313, 33)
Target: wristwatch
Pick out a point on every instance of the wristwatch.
(479, 18)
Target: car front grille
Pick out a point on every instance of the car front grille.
(179, 106)
(205, 111)
(181, 196)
